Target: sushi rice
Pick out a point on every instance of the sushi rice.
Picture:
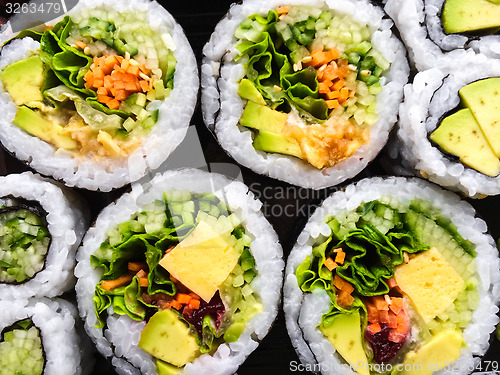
(433, 94)
(67, 220)
(222, 107)
(303, 311)
(120, 336)
(419, 23)
(174, 115)
(54, 344)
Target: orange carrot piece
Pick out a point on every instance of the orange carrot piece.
(116, 283)
(108, 82)
(338, 84)
(397, 305)
(119, 85)
(143, 278)
(98, 73)
(340, 257)
(282, 10)
(372, 312)
(333, 95)
(323, 87)
(121, 95)
(392, 283)
(98, 83)
(373, 328)
(344, 299)
(133, 69)
(104, 99)
(132, 86)
(332, 54)
(125, 64)
(330, 264)
(344, 94)
(384, 316)
(393, 320)
(194, 304)
(145, 87)
(113, 104)
(380, 303)
(102, 91)
(80, 44)
(183, 298)
(176, 305)
(318, 57)
(194, 295)
(338, 282)
(332, 104)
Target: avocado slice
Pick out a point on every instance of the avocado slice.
(164, 368)
(248, 91)
(32, 122)
(23, 80)
(261, 117)
(167, 338)
(460, 135)
(440, 351)
(483, 99)
(271, 142)
(470, 15)
(345, 336)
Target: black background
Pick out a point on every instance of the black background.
(275, 354)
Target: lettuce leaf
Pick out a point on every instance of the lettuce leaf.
(68, 63)
(267, 67)
(96, 119)
(371, 258)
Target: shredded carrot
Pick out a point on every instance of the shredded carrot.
(330, 264)
(331, 73)
(116, 283)
(124, 75)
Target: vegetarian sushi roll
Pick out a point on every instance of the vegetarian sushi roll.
(101, 97)
(305, 92)
(447, 124)
(42, 338)
(432, 28)
(182, 275)
(41, 226)
(392, 276)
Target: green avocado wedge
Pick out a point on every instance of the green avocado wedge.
(483, 99)
(461, 16)
(32, 122)
(460, 135)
